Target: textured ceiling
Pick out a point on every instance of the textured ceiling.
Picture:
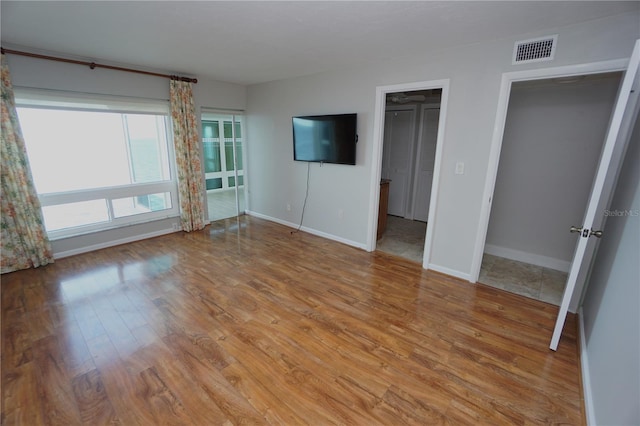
(252, 42)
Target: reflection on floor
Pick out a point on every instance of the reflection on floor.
(521, 278)
(222, 204)
(404, 238)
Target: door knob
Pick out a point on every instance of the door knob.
(597, 234)
(575, 229)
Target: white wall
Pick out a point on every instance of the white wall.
(475, 73)
(611, 307)
(551, 146)
(275, 180)
(38, 73)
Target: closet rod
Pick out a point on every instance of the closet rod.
(94, 65)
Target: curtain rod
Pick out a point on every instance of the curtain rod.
(94, 65)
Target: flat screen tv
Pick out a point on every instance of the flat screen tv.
(325, 138)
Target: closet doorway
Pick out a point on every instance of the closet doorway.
(408, 163)
(223, 163)
(554, 133)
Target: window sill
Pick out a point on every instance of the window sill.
(82, 232)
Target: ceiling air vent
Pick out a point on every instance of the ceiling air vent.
(535, 50)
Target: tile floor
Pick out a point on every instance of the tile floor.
(222, 204)
(522, 278)
(405, 238)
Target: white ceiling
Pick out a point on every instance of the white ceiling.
(252, 42)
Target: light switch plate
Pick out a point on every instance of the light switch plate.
(459, 168)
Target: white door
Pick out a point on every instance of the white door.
(398, 146)
(426, 163)
(624, 113)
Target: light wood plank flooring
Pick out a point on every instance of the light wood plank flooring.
(246, 323)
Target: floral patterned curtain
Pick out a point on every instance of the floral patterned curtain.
(24, 241)
(187, 147)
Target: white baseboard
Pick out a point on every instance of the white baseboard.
(309, 230)
(452, 272)
(533, 259)
(441, 269)
(586, 377)
(107, 244)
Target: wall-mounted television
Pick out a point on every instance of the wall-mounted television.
(325, 138)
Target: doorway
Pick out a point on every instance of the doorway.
(551, 146)
(408, 160)
(413, 183)
(223, 163)
(618, 134)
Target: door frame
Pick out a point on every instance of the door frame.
(233, 114)
(376, 161)
(498, 133)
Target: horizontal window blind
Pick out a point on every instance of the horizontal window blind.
(78, 101)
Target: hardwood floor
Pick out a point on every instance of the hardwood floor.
(246, 323)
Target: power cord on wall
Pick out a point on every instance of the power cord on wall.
(306, 195)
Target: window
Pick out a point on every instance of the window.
(97, 163)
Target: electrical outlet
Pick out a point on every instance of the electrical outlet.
(459, 168)
(340, 213)
(174, 226)
(288, 207)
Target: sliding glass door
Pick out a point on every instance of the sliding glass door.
(222, 140)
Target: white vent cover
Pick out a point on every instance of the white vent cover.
(535, 50)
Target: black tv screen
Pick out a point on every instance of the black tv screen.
(325, 138)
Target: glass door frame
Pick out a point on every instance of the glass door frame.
(238, 142)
